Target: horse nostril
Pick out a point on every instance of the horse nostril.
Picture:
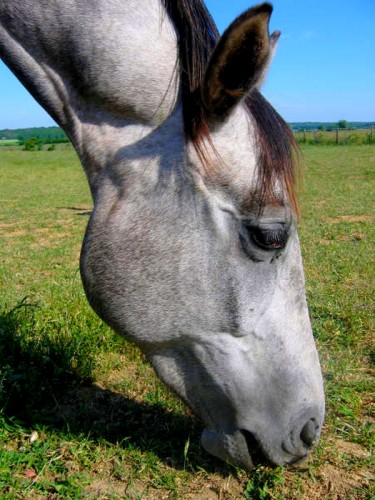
(309, 432)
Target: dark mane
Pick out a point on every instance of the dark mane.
(278, 151)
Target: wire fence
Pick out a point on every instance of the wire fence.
(336, 136)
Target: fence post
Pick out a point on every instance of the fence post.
(337, 135)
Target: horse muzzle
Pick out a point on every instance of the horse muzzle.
(245, 449)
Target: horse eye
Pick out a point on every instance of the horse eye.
(270, 238)
(257, 238)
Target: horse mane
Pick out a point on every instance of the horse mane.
(278, 153)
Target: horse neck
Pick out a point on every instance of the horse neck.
(106, 74)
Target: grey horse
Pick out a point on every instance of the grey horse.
(191, 251)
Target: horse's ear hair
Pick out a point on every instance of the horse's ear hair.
(239, 62)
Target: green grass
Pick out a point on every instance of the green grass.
(82, 414)
(9, 142)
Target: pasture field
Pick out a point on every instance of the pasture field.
(342, 136)
(82, 414)
(8, 142)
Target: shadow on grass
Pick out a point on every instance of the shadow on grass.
(79, 211)
(47, 382)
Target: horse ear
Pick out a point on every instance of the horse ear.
(240, 60)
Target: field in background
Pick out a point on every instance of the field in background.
(81, 412)
(8, 142)
(343, 136)
(341, 132)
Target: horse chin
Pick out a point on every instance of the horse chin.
(231, 447)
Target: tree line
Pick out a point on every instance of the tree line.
(44, 135)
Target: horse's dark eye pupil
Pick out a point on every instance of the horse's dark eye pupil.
(270, 239)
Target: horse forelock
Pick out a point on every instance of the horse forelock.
(278, 153)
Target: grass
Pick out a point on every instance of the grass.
(9, 142)
(82, 414)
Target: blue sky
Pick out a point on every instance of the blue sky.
(324, 68)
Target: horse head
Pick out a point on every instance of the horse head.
(192, 250)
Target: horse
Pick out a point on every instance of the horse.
(191, 251)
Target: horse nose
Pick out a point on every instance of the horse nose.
(295, 448)
(310, 432)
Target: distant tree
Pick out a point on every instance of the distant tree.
(321, 127)
(30, 145)
(33, 144)
(342, 124)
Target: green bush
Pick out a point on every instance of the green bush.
(33, 145)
